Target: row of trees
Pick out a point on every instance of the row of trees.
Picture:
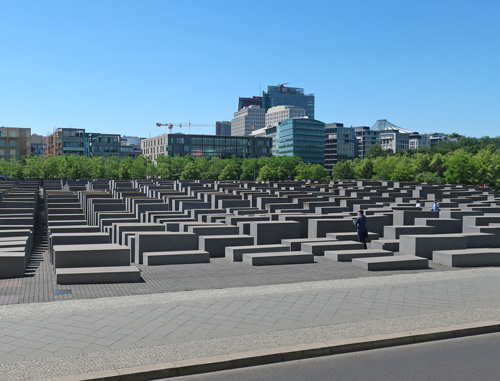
(455, 167)
(172, 168)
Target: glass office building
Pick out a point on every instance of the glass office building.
(302, 137)
(207, 146)
(281, 95)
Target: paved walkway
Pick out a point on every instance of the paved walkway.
(41, 340)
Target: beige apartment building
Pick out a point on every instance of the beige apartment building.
(14, 142)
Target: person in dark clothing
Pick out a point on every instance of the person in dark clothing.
(360, 223)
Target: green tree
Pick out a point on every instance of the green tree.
(190, 171)
(267, 173)
(250, 169)
(343, 170)
(230, 172)
(138, 167)
(112, 167)
(459, 167)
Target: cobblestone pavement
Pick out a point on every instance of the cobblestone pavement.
(39, 285)
(39, 340)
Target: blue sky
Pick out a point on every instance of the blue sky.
(121, 66)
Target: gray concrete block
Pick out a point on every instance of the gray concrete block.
(424, 245)
(235, 253)
(216, 244)
(319, 248)
(398, 262)
(441, 225)
(318, 228)
(163, 241)
(213, 230)
(98, 255)
(271, 232)
(351, 236)
(93, 275)
(175, 257)
(296, 243)
(12, 264)
(280, 258)
(385, 244)
(394, 232)
(349, 255)
(477, 257)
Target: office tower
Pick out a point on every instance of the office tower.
(281, 95)
(246, 120)
(366, 138)
(302, 137)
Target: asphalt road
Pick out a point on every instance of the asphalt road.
(470, 358)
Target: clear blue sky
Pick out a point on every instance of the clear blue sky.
(120, 66)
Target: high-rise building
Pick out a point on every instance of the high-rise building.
(223, 128)
(247, 119)
(14, 142)
(207, 146)
(276, 115)
(340, 144)
(366, 138)
(303, 137)
(245, 102)
(281, 95)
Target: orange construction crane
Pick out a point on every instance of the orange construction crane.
(189, 125)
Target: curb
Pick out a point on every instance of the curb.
(282, 354)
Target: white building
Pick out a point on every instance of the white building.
(131, 141)
(276, 115)
(394, 140)
(248, 119)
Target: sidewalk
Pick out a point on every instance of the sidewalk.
(43, 340)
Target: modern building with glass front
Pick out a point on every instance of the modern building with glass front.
(340, 144)
(302, 137)
(207, 146)
(281, 95)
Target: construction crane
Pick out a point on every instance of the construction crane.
(189, 125)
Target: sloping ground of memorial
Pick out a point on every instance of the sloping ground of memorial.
(92, 239)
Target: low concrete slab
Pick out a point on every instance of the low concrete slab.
(477, 257)
(235, 254)
(72, 256)
(93, 275)
(175, 257)
(282, 258)
(398, 262)
(349, 255)
(319, 248)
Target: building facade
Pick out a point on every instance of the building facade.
(207, 146)
(302, 137)
(340, 144)
(70, 141)
(394, 140)
(276, 115)
(65, 141)
(37, 145)
(15, 142)
(366, 138)
(248, 119)
(223, 128)
(281, 95)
